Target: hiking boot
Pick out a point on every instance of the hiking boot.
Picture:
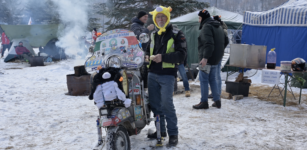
(173, 140)
(210, 96)
(154, 135)
(187, 93)
(217, 104)
(201, 105)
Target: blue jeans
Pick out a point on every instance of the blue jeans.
(206, 79)
(219, 78)
(160, 90)
(183, 74)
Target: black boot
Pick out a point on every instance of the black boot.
(201, 105)
(217, 104)
(154, 135)
(210, 96)
(173, 140)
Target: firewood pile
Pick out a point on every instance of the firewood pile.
(243, 79)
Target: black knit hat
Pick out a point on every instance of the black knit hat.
(141, 14)
(204, 14)
(217, 18)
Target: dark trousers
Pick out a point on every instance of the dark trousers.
(5, 46)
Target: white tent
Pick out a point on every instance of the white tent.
(12, 53)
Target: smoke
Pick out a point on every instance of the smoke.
(73, 14)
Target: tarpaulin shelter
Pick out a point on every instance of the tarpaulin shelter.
(283, 28)
(35, 35)
(189, 25)
(12, 53)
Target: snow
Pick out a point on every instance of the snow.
(35, 113)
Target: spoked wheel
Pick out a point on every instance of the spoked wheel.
(118, 138)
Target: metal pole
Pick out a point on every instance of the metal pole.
(286, 82)
(103, 17)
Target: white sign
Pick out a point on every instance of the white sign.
(270, 76)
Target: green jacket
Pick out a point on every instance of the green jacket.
(212, 41)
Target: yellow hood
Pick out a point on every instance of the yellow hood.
(166, 12)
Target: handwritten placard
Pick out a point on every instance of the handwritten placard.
(270, 76)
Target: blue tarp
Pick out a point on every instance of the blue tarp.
(283, 28)
(290, 42)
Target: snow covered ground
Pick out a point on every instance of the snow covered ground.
(36, 114)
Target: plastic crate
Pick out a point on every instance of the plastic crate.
(237, 88)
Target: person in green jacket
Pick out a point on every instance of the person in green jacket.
(211, 45)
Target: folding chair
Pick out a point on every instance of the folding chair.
(20, 58)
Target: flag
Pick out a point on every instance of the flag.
(30, 21)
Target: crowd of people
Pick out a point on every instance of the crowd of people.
(167, 52)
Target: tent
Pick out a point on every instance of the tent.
(37, 35)
(34, 35)
(12, 53)
(189, 25)
(283, 28)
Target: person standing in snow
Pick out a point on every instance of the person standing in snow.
(167, 48)
(5, 43)
(211, 45)
(138, 28)
(184, 77)
(219, 78)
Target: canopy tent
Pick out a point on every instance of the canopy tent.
(189, 25)
(12, 53)
(37, 35)
(283, 28)
(34, 35)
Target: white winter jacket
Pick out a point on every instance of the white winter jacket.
(109, 91)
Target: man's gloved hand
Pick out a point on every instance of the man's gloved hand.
(127, 103)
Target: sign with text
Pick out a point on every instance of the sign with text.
(270, 76)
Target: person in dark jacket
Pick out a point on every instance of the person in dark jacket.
(183, 73)
(167, 49)
(211, 45)
(138, 28)
(184, 77)
(219, 79)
